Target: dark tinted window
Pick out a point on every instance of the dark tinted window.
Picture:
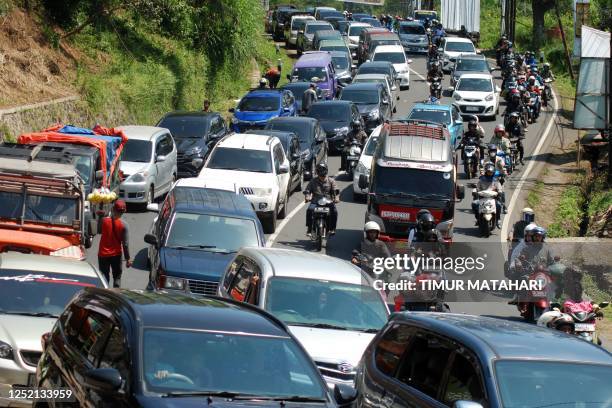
(186, 126)
(302, 130)
(392, 57)
(472, 65)
(459, 47)
(371, 21)
(391, 347)
(440, 116)
(93, 333)
(324, 111)
(116, 354)
(412, 29)
(341, 62)
(216, 126)
(241, 159)
(313, 28)
(259, 104)
(310, 74)
(463, 381)
(390, 180)
(38, 208)
(137, 151)
(360, 97)
(371, 69)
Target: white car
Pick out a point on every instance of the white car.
(148, 164)
(353, 30)
(298, 22)
(35, 291)
(365, 164)
(258, 166)
(453, 47)
(383, 79)
(477, 94)
(395, 54)
(330, 305)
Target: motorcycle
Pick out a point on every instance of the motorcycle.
(435, 88)
(547, 92)
(585, 315)
(533, 303)
(423, 298)
(320, 218)
(352, 158)
(534, 111)
(487, 211)
(508, 161)
(470, 159)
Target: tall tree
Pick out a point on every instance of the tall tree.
(539, 9)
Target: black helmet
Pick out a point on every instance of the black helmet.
(492, 147)
(489, 167)
(472, 122)
(425, 221)
(322, 169)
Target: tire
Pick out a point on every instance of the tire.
(320, 228)
(483, 227)
(283, 213)
(467, 170)
(269, 224)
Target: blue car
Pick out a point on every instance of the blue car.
(444, 114)
(260, 105)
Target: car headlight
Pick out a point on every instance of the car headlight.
(362, 169)
(6, 351)
(174, 283)
(456, 96)
(489, 98)
(139, 177)
(374, 114)
(342, 131)
(197, 150)
(262, 192)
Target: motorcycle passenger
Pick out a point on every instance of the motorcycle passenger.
(488, 181)
(371, 246)
(498, 162)
(319, 187)
(538, 251)
(516, 134)
(500, 47)
(433, 51)
(359, 135)
(435, 71)
(438, 34)
(530, 58)
(500, 139)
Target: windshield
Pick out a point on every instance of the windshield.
(190, 127)
(532, 384)
(259, 104)
(412, 29)
(472, 65)
(39, 292)
(217, 234)
(437, 116)
(138, 151)
(255, 365)
(302, 130)
(341, 63)
(310, 74)
(391, 180)
(300, 23)
(224, 158)
(371, 21)
(354, 31)
(475, 85)
(371, 146)
(423, 16)
(373, 70)
(313, 28)
(459, 47)
(328, 112)
(39, 208)
(83, 165)
(360, 97)
(309, 302)
(332, 48)
(392, 57)
(376, 43)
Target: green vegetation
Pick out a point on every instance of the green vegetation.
(533, 198)
(568, 215)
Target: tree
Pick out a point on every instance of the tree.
(539, 9)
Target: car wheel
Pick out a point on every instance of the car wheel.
(283, 213)
(358, 198)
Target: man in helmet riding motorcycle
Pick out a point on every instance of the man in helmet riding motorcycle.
(515, 104)
(319, 187)
(501, 140)
(500, 171)
(488, 181)
(425, 222)
(371, 246)
(435, 71)
(474, 135)
(516, 133)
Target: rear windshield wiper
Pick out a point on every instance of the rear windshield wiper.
(239, 396)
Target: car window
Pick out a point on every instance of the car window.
(424, 364)
(216, 126)
(456, 114)
(116, 353)
(464, 382)
(391, 347)
(279, 156)
(231, 271)
(245, 282)
(93, 334)
(164, 145)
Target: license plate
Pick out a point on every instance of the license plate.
(352, 157)
(472, 108)
(321, 210)
(538, 293)
(587, 327)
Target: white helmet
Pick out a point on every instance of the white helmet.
(371, 226)
(548, 317)
(530, 228)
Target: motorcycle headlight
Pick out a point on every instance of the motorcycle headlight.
(139, 177)
(6, 351)
(374, 114)
(174, 283)
(489, 98)
(194, 151)
(342, 131)
(456, 96)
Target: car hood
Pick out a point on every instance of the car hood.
(197, 402)
(194, 263)
(24, 332)
(241, 178)
(332, 346)
(128, 168)
(184, 144)
(330, 125)
(473, 95)
(363, 109)
(400, 67)
(256, 116)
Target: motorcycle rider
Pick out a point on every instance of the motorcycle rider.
(530, 58)
(438, 34)
(547, 72)
(533, 87)
(435, 71)
(263, 83)
(501, 47)
(474, 135)
(319, 187)
(516, 134)
(488, 181)
(432, 55)
(371, 246)
(500, 139)
(519, 228)
(359, 135)
(514, 104)
(425, 222)
(557, 320)
(500, 171)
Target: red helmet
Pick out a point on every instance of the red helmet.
(500, 128)
(120, 206)
(515, 92)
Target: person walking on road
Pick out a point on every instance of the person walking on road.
(309, 97)
(114, 242)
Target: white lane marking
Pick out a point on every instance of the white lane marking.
(504, 231)
(417, 74)
(284, 222)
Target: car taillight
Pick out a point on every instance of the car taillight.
(73, 251)
(44, 340)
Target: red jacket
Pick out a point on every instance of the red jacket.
(114, 238)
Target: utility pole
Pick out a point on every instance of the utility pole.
(567, 54)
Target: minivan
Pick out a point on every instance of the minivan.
(318, 67)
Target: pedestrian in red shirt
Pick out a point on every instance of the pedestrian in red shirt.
(114, 242)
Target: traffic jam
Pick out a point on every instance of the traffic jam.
(236, 262)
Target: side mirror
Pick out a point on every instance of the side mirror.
(394, 88)
(466, 404)
(283, 169)
(103, 379)
(231, 110)
(151, 240)
(99, 175)
(460, 192)
(160, 158)
(344, 394)
(363, 181)
(153, 207)
(353, 66)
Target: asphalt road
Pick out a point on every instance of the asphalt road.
(291, 232)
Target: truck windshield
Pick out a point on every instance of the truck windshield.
(83, 165)
(38, 208)
(394, 180)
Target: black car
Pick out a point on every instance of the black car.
(454, 360)
(122, 348)
(379, 67)
(293, 151)
(195, 236)
(312, 137)
(280, 17)
(372, 101)
(338, 119)
(195, 134)
(298, 88)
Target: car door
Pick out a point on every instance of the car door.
(160, 231)
(161, 177)
(457, 126)
(278, 155)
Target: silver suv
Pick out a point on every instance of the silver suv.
(330, 305)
